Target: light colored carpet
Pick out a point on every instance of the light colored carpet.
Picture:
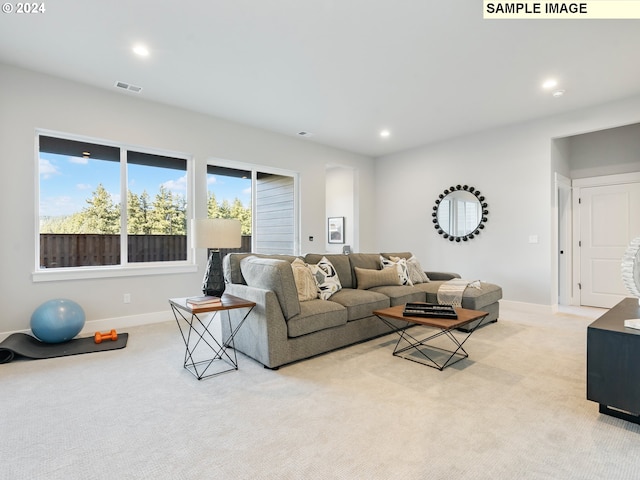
(516, 408)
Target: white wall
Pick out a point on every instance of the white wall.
(393, 204)
(606, 152)
(30, 100)
(512, 166)
(340, 203)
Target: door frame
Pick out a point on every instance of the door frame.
(578, 184)
(563, 224)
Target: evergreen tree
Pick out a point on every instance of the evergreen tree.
(224, 210)
(138, 210)
(168, 216)
(230, 210)
(180, 219)
(101, 216)
(243, 214)
(212, 206)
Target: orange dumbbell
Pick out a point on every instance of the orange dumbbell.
(99, 337)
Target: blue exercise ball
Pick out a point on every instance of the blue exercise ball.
(57, 321)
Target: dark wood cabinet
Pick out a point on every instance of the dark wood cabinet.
(613, 362)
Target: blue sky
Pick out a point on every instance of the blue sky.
(67, 182)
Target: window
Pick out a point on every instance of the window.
(109, 205)
(264, 201)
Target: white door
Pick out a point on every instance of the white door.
(609, 220)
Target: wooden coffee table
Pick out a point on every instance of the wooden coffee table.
(424, 350)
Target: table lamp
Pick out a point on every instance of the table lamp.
(214, 234)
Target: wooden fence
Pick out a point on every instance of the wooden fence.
(82, 250)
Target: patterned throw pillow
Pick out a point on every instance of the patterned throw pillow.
(326, 278)
(401, 266)
(305, 283)
(416, 273)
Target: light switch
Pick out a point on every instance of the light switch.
(533, 238)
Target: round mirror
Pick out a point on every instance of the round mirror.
(460, 213)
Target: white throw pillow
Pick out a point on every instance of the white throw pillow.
(401, 266)
(416, 273)
(326, 278)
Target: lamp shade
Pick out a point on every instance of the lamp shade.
(216, 233)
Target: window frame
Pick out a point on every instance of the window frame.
(125, 268)
(255, 169)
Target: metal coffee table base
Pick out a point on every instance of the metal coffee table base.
(425, 355)
(423, 350)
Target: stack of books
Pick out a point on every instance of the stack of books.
(420, 309)
(204, 301)
(632, 323)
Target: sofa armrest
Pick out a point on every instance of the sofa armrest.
(437, 276)
(263, 336)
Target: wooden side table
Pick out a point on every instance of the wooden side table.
(202, 348)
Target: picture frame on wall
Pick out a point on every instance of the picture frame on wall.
(336, 229)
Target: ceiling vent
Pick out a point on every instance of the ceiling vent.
(129, 87)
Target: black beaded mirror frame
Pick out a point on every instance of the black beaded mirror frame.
(479, 227)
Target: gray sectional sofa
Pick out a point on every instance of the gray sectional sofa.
(281, 329)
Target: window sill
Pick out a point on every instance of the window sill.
(82, 273)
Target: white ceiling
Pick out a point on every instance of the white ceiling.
(342, 70)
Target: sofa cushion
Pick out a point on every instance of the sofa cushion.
(339, 262)
(316, 315)
(326, 278)
(406, 255)
(368, 278)
(473, 298)
(360, 303)
(365, 260)
(231, 265)
(275, 275)
(401, 294)
(305, 283)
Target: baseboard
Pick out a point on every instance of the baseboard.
(121, 323)
(116, 323)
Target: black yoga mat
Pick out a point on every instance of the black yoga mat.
(24, 345)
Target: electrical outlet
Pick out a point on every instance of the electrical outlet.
(127, 298)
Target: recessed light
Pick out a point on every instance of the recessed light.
(385, 133)
(549, 84)
(141, 50)
(558, 93)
